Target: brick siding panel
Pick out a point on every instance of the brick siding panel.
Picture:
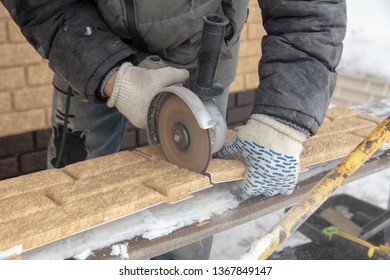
(251, 80)
(17, 54)
(142, 138)
(247, 65)
(238, 84)
(32, 162)
(14, 145)
(48, 116)
(254, 15)
(33, 98)
(14, 33)
(9, 167)
(39, 74)
(240, 114)
(255, 31)
(15, 123)
(130, 141)
(12, 78)
(5, 102)
(231, 101)
(42, 138)
(245, 98)
(250, 49)
(3, 31)
(3, 12)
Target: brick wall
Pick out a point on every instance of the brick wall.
(25, 82)
(25, 79)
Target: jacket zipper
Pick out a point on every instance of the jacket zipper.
(131, 24)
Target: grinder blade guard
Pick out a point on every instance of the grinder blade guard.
(185, 119)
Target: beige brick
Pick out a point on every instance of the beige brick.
(152, 152)
(255, 31)
(133, 175)
(34, 182)
(238, 84)
(14, 33)
(247, 65)
(35, 229)
(27, 204)
(320, 149)
(340, 113)
(224, 170)
(343, 126)
(253, 4)
(3, 12)
(244, 33)
(33, 98)
(48, 112)
(15, 123)
(39, 74)
(178, 184)
(254, 15)
(105, 164)
(250, 49)
(5, 102)
(251, 80)
(12, 78)
(3, 31)
(17, 54)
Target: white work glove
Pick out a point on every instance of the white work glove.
(135, 88)
(271, 150)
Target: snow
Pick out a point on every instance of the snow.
(366, 52)
(120, 250)
(14, 251)
(367, 42)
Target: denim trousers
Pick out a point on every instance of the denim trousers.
(95, 130)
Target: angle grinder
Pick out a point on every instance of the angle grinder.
(185, 119)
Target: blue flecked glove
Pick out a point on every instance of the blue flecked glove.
(271, 150)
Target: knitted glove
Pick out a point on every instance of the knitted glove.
(135, 88)
(271, 150)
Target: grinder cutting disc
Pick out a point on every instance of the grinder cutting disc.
(184, 143)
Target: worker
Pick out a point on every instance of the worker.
(99, 53)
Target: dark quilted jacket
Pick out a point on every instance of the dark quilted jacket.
(297, 69)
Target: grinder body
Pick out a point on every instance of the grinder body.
(185, 119)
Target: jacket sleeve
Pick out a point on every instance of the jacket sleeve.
(300, 53)
(74, 38)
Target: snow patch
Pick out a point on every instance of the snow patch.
(13, 251)
(83, 255)
(367, 41)
(120, 250)
(261, 245)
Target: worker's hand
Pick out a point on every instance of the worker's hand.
(135, 87)
(271, 150)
